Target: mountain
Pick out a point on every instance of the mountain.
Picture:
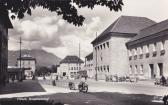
(43, 58)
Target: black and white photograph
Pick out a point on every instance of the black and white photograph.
(83, 52)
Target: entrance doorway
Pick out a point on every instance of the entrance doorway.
(64, 73)
(160, 68)
(152, 70)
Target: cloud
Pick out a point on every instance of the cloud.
(55, 35)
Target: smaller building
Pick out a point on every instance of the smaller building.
(70, 66)
(88, 67)
(27, 61)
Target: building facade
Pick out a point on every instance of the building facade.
(109, 50)
(147, 52)
(70, 66)
(29, 63)
(88, 66)
(5, 24)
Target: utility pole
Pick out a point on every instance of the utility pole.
(20, 42)
(79, 71)
(96, 62)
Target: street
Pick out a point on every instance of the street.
(99, 93)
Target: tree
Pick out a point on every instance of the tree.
(66, 8)
(41, 71)
(54, 68)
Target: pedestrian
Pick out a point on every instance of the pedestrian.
(13, 78)
(165, 99)
(86, 77)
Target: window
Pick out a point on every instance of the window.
(71, 68)
(135, 51)
(104, 68)
(107, 68)
(107, 44)
(74, 68)
(98, 47)
(147, 49)
(64, 73)
(101, 57)
(101, 69)
(130, 69)
(95, 48)
(104, 45)
(141, 69)
(135, 71)
(154, 46)
(141, 50)
(162, 45)
(101, 47)
(129, 53)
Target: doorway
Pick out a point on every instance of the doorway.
(152, 70)
(64, 73)
(160, 65)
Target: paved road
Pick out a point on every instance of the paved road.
(142, 87)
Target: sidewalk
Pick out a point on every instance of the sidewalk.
(30, 88)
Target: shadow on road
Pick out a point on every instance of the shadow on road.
(77, 98)
(15, 101)
(103, 98)
(25, 86)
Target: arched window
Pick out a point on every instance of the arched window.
(162, 45)
(147, 48)
(141, 50)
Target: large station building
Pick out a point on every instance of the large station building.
(109, 51)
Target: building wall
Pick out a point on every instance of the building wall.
(118, 56)
(101, 59)
(141, 67)
(28, 64)
(3, 51)
(111, 59)
(69, 70)
(89, 68)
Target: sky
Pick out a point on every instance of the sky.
(47, 31)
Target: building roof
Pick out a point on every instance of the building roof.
(126, 25)
(90, 56)
(5, 18)
(71, 59)
(27, 57)
(151, 30)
